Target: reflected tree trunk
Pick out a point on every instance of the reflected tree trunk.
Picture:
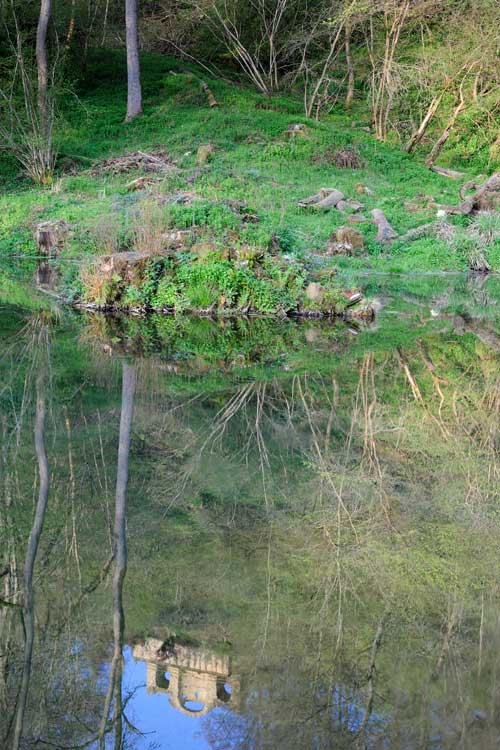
(31, 554)
(8, 571)
(114, 692)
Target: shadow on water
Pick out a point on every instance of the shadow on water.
(293, 544)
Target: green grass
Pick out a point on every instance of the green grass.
(254, 162)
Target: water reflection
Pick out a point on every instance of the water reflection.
(47, 276)
(195, 680)
(294, 544)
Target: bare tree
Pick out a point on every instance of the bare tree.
(134, 91)
(28, 111)
(259, 57)
(394, 14)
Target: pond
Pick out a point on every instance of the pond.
(251, 534)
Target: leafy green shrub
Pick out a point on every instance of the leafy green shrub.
(154, 272)
(216, 274)
(285, 239)
(261, 295)
(166, 295)
(202, 296)
(216, 216)
(133, 297)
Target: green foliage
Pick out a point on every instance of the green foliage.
(166, 295)
(132, 296)
(265, 285)
(217, 217)
(263, 171)
(475, 242)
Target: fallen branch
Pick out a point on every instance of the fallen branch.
(486, 197)
(422, 231)
(153, 162)
(447, 172)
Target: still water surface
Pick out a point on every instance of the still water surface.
(260, 535)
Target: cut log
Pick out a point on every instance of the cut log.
(486, 197)
(349, 205)
(326, 198)
(385, 232)
(354, 298)
(447, 172)
(351, 238)
(313, 198)
(331, 200)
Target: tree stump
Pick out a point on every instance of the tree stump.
(51, 237)
(204, 153)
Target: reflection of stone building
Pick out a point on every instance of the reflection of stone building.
(195, 680)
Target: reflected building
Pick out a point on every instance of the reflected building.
(196, 680)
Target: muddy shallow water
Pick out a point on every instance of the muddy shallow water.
(295, 544)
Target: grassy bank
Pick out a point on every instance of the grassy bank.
(254, 162)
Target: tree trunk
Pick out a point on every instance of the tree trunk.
(134, 95)
(120, 555)
(71, 27)
(420, 132)
(350, 69)
(310, 104)
(120, 539)
(385, 231)
(438, 146)
(42, 63)
(31, 555)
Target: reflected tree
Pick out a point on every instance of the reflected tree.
(114, 693)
